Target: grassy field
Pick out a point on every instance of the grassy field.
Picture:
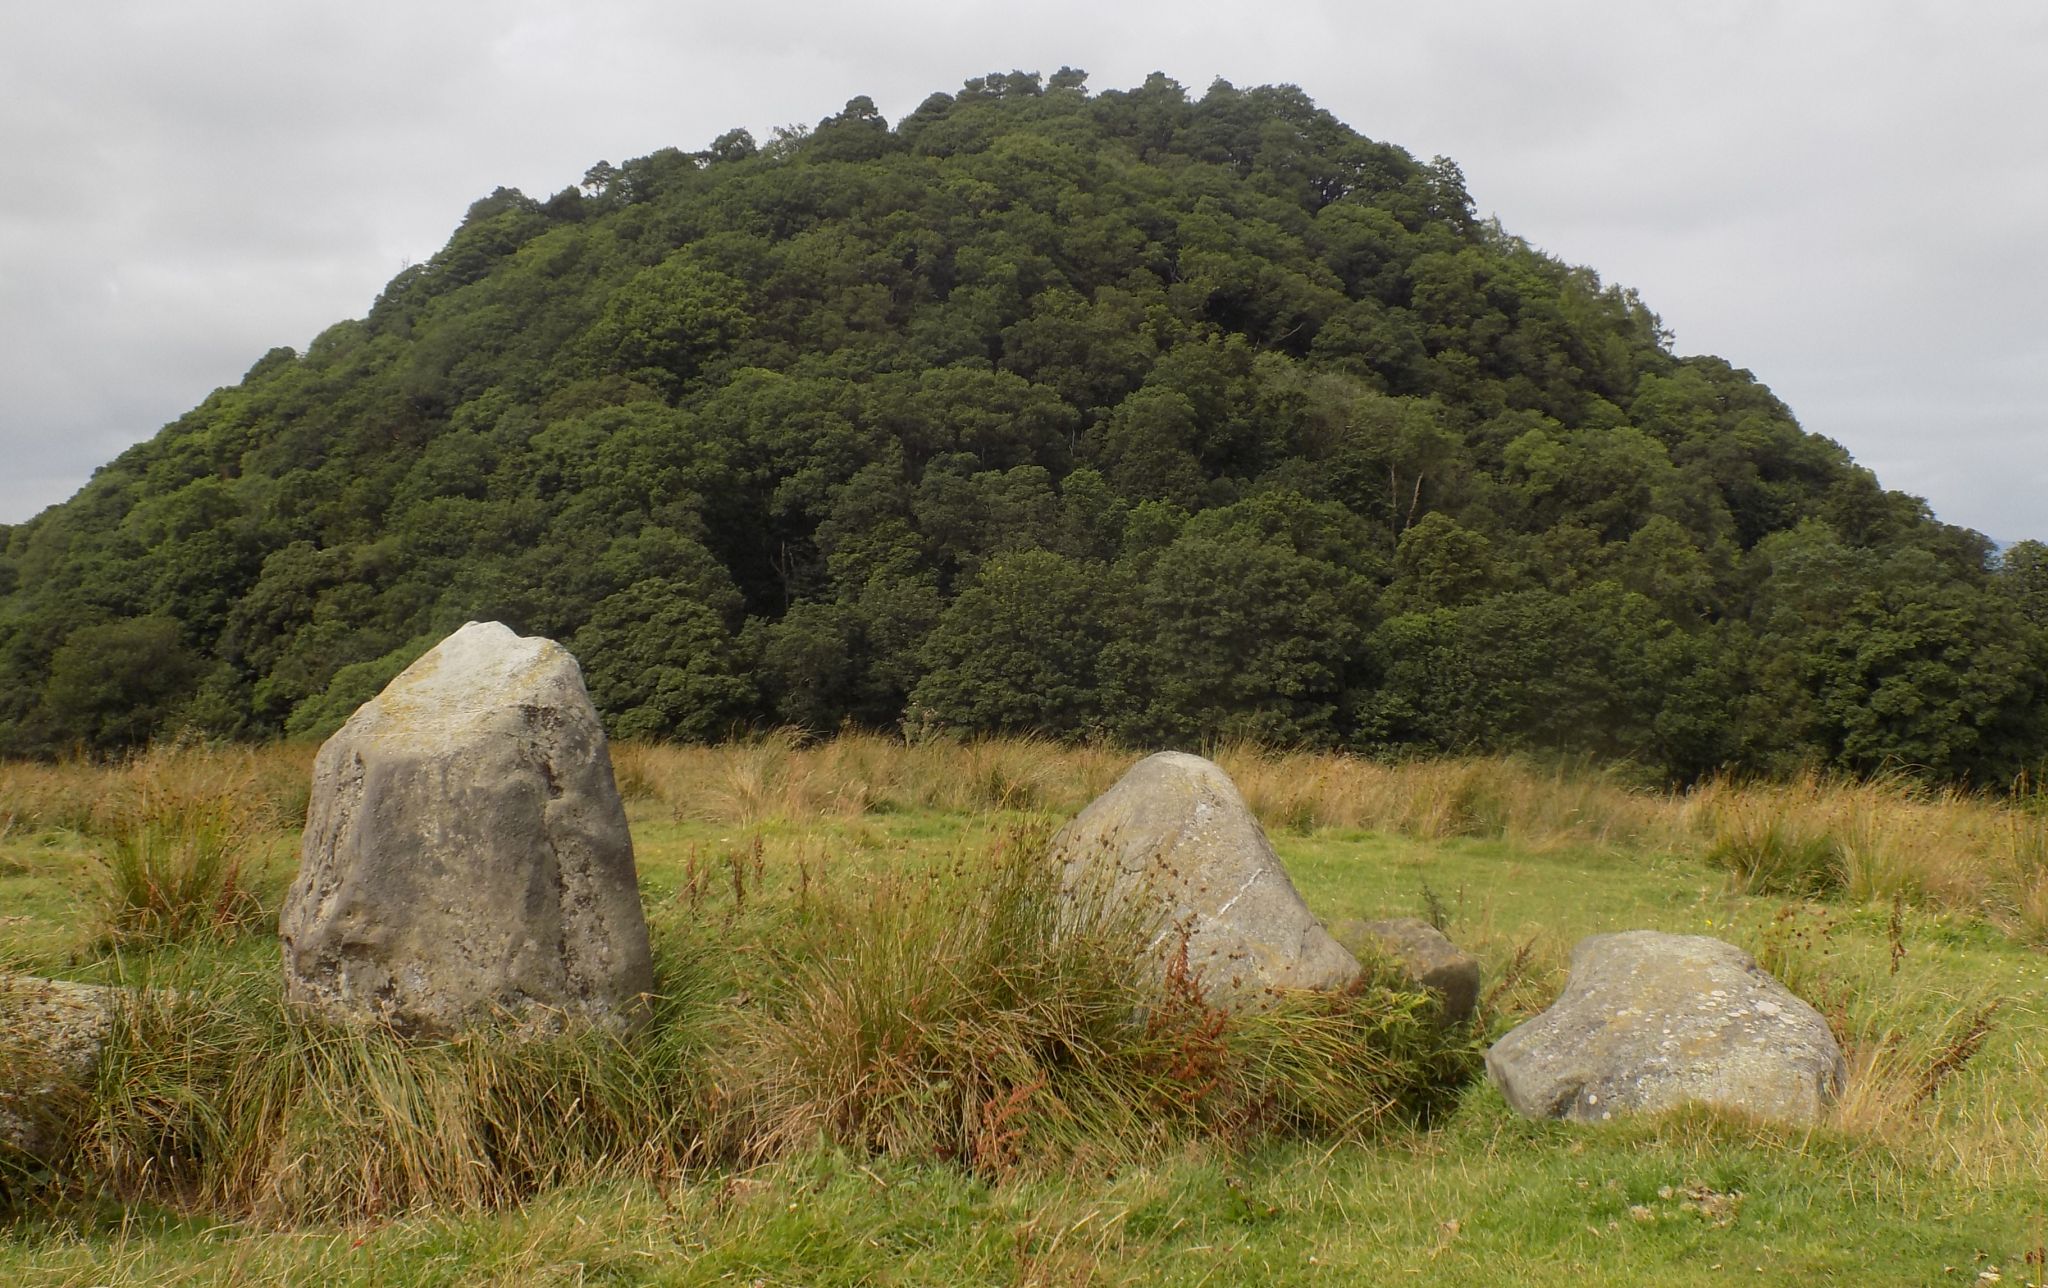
(811, 902)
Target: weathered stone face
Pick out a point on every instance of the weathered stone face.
(1649, 1021)
(1175, 835)
(51, 1033)
(466, 855)
(1427, 956)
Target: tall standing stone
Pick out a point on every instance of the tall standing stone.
(466, 855)
(1175, 836)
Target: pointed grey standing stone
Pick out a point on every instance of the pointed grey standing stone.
(51, 1033)
(466, 855)
(1426, 955)
(1175, 833)
(1649, 1021)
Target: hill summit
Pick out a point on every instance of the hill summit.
(1128, 414)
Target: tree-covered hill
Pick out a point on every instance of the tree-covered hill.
(1125, 413)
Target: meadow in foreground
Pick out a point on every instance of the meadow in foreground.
(872, 1066)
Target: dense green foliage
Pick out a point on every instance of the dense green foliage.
(1121, 414)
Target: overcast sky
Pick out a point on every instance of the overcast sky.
(1848, 199)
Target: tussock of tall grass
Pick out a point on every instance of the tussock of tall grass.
(1879, 839)
(211, 1094)
(935, 1015)
(966, 1014)
(1938, 1073)
(1943, 1068)
(169, 877)
(783, 776)
(182, 837)
(270, 783)
(185, 836)
(1534, 805)
(983, 1020)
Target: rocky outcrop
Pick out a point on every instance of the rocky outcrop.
(466, 857)
(1175, 836)
(1426, 956)
(51, 1034)
(1649, 1021)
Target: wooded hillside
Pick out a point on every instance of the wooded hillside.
(1126, 414)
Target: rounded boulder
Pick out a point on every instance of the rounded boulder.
(1649, 1021)
(51, 1035)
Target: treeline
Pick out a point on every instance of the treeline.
(1121, 414)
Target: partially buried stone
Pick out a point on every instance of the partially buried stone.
(51, 1034)
(466, 857)
(1175, 836)
(1426, 956)
(1649, 1021)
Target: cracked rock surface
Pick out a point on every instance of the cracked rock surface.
(1175, 834)
(466, 856)
(1650, 1021)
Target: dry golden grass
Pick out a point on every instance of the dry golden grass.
(1878, 839)
(268, 786)
(1434, 800)
(1868, 840)
(183, 836)
(782, 776)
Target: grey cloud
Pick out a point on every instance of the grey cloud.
(1842, 198)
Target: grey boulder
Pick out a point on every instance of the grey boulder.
(466, 857)
(1174, 842)
(51, 1035)
(1649, 1021)
(1426, 956)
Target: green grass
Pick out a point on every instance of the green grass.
(1488, 1199)
(45, 881)
(1909, 1184)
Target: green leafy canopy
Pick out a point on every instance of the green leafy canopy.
(1134, 414)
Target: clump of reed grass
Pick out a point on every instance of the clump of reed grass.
(987, 1021)
(180, 840)
(928, 1016)
(785, 775)
(1940, 1063)
(51, 797)
(1904, 1051)
(1872, 840)
(165, 880)
(1503, 797)
(971, 1014)
(2021, 855)
(213, 1094)
(1341, 1065)
(1767, 853)
(635, 771)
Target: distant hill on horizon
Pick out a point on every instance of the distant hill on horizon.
(1134, 414)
